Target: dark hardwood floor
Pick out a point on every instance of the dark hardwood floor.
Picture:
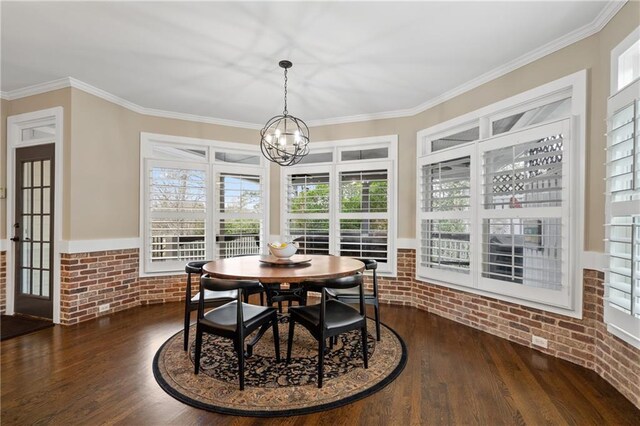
(100, 372)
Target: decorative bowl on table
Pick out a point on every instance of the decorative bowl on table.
(282, 250)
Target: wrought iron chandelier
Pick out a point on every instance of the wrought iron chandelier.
(285, 138)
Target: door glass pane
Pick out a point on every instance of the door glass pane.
(45, 283)
(46, 200)
(36, 281)
(36, 256)
(26, 275)
(36, 229)
(26, 174)
(26, 228)
(26, 254)
(37, 173)
(46, 173)
(37, 200)
(46, 231)
(45, 255)
(26, 201)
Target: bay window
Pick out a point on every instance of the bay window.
(499, 214)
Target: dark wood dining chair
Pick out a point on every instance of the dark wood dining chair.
(234, 320)
(331, 318)
(352, 295)
(211, 299)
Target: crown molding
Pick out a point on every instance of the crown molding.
(36, 89)
(67, 82)
(607, 13)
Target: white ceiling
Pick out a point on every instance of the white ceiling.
(220, 59)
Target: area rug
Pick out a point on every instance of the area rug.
(276, 389)
(18, 325)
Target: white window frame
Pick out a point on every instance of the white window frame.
(622, 325)
(334, 168)
(150, 140)
(615, 54)
(574, 86)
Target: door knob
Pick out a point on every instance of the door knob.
(15, 239)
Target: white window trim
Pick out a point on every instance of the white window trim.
(575, 86)
(149, 140)
(615, 54)
(337, 146)
(15, 124)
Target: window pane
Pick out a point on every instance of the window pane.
(238, 158)
(311, 235)
(623, 155)
(367, 238)
(237, 237)
(239, 193)
(446, 186)
(320, 157)
(39, 132)
(177, 239)
(455, 139)
(177, 190)
(363, 191)
(525, 175)
(365, 154)
(629, 65)
(308, 193)
(445, 244)
(623, 278)
(181, 154)
(552, 111)
(523, 251)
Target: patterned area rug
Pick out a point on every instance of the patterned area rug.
(275, 389)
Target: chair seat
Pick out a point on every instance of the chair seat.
(337, 314)
(215, 295)
(225, 316)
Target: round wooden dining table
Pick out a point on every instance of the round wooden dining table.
(252, 268)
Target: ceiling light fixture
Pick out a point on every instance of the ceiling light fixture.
(285, 138)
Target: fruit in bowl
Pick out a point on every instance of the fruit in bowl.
(282, 250)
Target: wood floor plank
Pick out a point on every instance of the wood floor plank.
(99, 372)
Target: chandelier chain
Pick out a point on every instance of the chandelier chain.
(285, 92)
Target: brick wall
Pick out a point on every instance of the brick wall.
(398, 290)
(3, 282)
(89, 280)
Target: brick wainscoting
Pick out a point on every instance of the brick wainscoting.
(89, 280)
(3, 282)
